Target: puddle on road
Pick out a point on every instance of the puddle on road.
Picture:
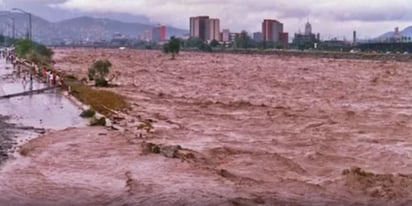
(49, 110)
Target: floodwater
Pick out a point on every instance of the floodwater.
(262, 130)
(29, 115)
(49, 110)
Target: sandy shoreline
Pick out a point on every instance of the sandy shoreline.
(254, 130)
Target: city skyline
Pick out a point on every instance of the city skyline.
(329, 17)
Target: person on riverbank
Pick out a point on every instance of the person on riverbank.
(34, 69)
(47, 76)
(44, 74)
(31, 77)
(58, 80)
(24, 82)
(50, 78)
(54, 79)
(18, 70)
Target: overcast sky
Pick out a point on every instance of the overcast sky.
(332, 18)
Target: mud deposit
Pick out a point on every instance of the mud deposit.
(251, 130)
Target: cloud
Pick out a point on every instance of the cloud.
(329, 15)
(2, 5)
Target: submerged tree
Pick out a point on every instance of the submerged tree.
(99, 71)
(173, 47)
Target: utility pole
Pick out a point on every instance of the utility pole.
(30, 27)
(14, 27)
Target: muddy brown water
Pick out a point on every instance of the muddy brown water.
(264, 130)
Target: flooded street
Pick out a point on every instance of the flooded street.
(50, 110)
(251, 130)
(23, 117)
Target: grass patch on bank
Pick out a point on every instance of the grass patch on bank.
(103, 101)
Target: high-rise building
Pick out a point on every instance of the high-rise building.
(354, 37)
(214, 29)
(307, 40)
(308, 28)
(194, 27)
(272, 30)
(159, 33)
(199, 27)
(205, 28)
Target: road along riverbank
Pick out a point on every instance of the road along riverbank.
(26, 116)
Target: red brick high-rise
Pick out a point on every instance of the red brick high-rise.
(159, 33)
(162, 33)
(272, 30)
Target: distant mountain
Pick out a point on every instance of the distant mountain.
(99, 28)
(406, 32)
(93, 28)
(55, 14)
(80, 28)
(386, 35)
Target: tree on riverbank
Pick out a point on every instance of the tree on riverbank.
(99, 71)
(34, 52)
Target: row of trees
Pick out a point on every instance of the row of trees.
(42, 56)
(34, 52)
(242, 41)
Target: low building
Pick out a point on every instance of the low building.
(258, 36)
(284, 39)
(147, 35)
(233, 36)
(226, 35)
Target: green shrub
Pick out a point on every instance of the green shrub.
(98, 122)
(173, 47)
(98, 72)
(88, 113)
(101, 83)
